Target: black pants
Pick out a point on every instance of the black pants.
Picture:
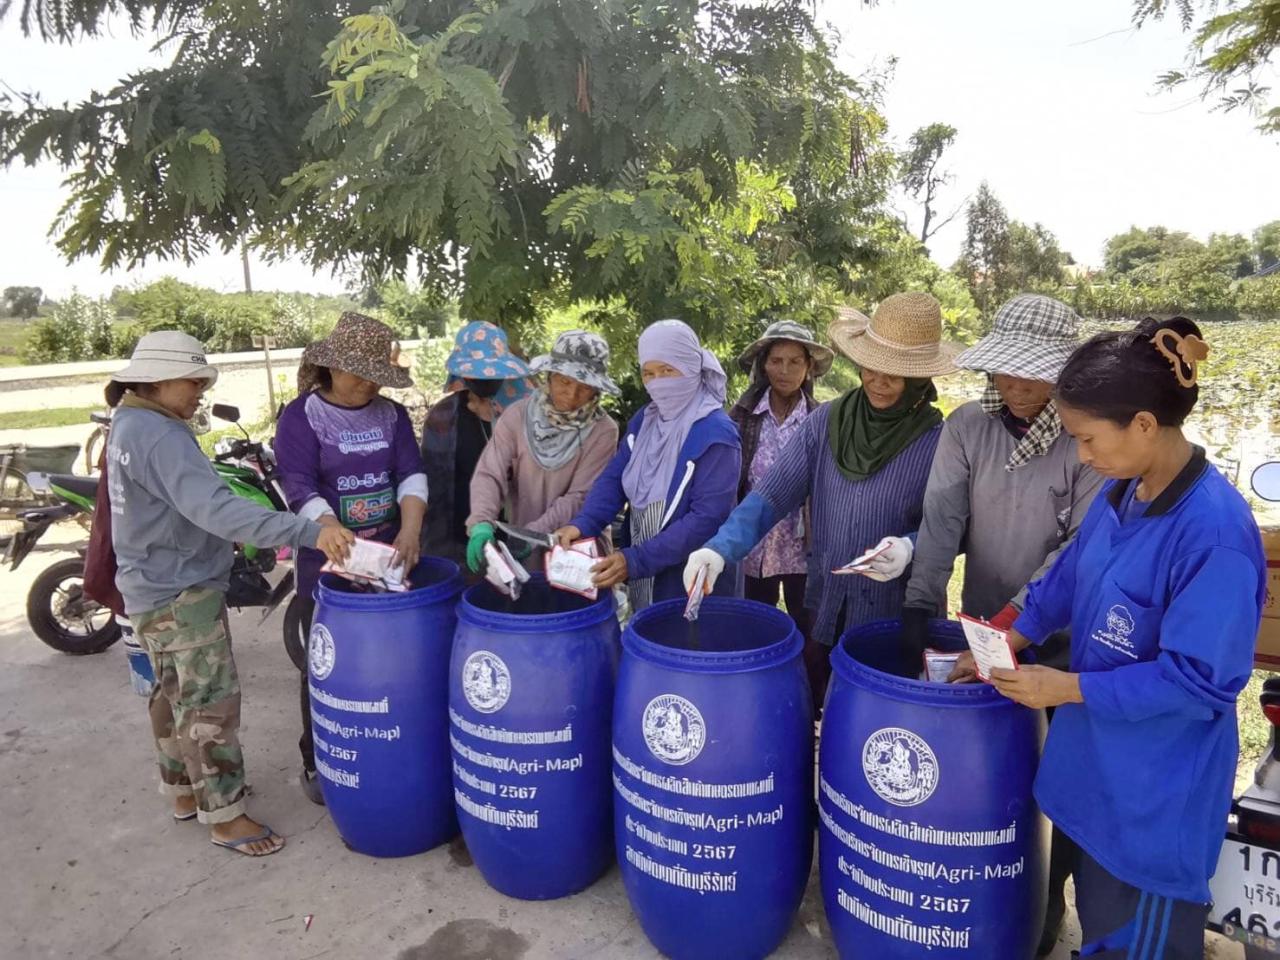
(306, 743)
(1118, 921)
(817, 657)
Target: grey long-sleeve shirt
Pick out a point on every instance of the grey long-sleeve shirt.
(1009, 525)
(173, 519)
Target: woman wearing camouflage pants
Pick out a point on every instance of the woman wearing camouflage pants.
(174, 522)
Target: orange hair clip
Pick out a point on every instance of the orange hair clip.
(1187, 353)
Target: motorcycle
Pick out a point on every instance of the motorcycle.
(63, 617)
(1246, 884)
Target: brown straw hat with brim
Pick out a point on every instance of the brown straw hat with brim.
(903, 338)
(360, 345)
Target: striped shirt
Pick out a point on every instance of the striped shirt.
(848, 517)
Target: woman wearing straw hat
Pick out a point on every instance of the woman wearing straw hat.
(548, 448)
(783, 365)
(676, 472)
(863, 460)
(174, 522)
(1005, 456)
(485, 378)
(349, 458)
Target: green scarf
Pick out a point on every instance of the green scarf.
(863, 439)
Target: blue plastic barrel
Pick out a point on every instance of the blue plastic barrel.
(530, 697)
(379, 683)
(930, 843)
(713, 777)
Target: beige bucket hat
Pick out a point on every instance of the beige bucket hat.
(903, 338)
(167, 355)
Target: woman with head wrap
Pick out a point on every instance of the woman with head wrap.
(676, 471)
(485, 378)
(862, 461)
(548, 448)
(783, 365)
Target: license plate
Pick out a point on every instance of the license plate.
(1246, 895)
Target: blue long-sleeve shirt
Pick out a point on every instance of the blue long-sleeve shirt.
(1163, 610)
(847, 517)
(700, 495)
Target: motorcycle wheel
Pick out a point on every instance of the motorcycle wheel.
(295, 641)
(63, 617)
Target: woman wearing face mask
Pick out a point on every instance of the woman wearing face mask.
(862, 460)
(548, 448)
(783, 365)
(1162, 589)
(676, 470)
(485, 378)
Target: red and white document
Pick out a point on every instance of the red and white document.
(990, 646)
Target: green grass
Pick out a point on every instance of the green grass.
(13, 337)
(34, 419)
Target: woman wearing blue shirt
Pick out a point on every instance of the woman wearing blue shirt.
(1162, 590)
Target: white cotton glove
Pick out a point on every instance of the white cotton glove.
(703, 558)
(891, 564)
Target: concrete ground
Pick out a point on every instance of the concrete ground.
(95, 868)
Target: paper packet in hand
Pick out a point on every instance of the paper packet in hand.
(860, 564)
(697, 593)
(938, 665)
(570, 569)
(371, 563)
(990, 646)
(503, 570)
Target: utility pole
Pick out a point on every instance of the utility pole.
(267, 343)
(244, 262)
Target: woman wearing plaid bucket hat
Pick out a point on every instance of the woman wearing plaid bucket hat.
(547, 448)
(349, 459)
(1005, 455)
(484, 378)
(862, 461)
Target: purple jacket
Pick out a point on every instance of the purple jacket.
(355, 463)
(700, 496)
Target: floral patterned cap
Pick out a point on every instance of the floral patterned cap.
(481, 352)
(579, 355)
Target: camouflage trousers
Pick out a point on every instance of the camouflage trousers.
(195, 703)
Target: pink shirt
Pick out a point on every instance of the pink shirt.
(536, 498)
(782, 550)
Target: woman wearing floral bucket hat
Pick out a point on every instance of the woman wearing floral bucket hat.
(173, 524)
(548, 448)
(485, 378)
(862, 461)
(783, 364)
(1001, 456)
(349, 459)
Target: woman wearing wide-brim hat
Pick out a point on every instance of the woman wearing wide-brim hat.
(548, 448)
(484, 378)
(783, 364)
(862, 460)
(349, 459)
(174, 522)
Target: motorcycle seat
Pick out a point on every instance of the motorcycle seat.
(86, 487)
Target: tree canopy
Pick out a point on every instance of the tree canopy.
(696, 157)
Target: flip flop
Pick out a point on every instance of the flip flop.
(184, 817)
(236, 845)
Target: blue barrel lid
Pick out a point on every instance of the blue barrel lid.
(482, 606)
(435, 580)
(860, 646)
(729, 636)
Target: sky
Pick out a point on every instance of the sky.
(1055, 104)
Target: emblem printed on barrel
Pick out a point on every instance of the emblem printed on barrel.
(486, 681)
(674, 729)
(321, 652)
(900, 766)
